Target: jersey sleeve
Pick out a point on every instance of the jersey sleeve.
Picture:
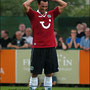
(30, 14)
(56, 12)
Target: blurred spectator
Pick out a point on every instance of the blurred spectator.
(54, 80)
(85, 41)
(84, 26)
(61, 44)
(4, 39)
(29, 38)
(0, 43)
(22, 29)
(73, 41)
(55, 34)
(80, 30)
(19, 42)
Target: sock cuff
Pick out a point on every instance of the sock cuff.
(48, 81)
(34, 81)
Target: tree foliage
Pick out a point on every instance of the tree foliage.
(15, 8)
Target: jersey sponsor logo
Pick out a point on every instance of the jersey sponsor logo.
(45, 27)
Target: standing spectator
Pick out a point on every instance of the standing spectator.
(85, 41)
(80, 31)
(4, 39)
(29, 38)
(73, 41)
(61, 44)
(22, 29)
(19, 42)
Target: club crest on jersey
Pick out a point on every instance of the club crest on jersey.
(49, 16)
(45, 27)
(31, 68)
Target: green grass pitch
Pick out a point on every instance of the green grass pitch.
(40, 88)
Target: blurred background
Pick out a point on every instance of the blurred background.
(12, 14)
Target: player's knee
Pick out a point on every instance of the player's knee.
(34, 75)
(49, 75)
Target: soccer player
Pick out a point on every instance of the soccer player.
(43, 53)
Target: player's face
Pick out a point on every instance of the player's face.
(43, 7)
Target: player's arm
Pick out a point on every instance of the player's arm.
(26, 5)
(62, 4)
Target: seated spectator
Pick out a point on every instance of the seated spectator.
(85, 41)
(73, 41)
(80, 31)
(22, 29)
(4, 39)
(19, 42)
(29, 38)
(61, 44)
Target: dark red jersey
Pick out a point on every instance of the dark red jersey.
(43, 28)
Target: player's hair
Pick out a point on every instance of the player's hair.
(41, 0)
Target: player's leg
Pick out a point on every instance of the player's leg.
(51, 66)
(36, 66)
(48, 81)
(33, 82)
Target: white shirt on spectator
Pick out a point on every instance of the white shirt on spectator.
(29, 40)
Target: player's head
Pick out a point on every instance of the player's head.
(42, 5)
